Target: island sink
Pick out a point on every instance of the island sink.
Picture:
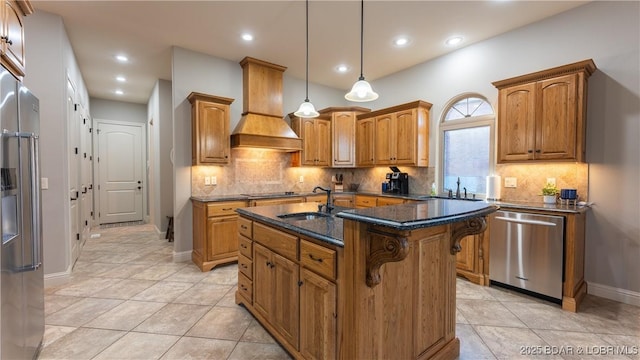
(304, 216)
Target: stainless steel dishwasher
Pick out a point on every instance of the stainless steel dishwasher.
(526, 252)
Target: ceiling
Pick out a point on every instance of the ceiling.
(146, 30)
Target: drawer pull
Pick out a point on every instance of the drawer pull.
(244, 265)
(243, 246)
(243, 287)
(270, 264)
(315, 258)
(243, 227)
(227, 209)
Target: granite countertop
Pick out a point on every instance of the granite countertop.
(521, 205)
(432, 212)
(327, 229)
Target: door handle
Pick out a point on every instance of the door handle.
(76, 197)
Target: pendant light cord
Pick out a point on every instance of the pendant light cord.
(307, 74)
(361, 37)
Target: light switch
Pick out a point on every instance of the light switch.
(301, 179)
(214, 180)
(207, 180)
(44, 183)
(510, 182)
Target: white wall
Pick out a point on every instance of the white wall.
(607, 32)
(161, 169)
(49, 59)
(118, 110)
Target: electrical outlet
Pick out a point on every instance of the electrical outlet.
(301, 179)
(214, 180)
(551, 181)
(510, 182)
(44, 183)
(207, 181)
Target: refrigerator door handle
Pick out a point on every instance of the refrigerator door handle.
(34, 160)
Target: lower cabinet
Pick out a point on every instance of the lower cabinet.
(291, 292)
(343, 200)
(472, 262)
(276, 292)
(318, 316)
(215, 233)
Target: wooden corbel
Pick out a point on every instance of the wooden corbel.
(464, 228)
(383, 248)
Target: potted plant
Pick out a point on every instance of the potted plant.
(549, 192)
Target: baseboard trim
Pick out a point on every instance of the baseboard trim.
(608, 292)
(183, 256)
(57, 279)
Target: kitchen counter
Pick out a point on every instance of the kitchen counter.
(431, 212)
(522, 205)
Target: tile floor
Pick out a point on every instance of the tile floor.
(128, 300)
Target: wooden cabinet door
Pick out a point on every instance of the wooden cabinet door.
(385, 201)
(405, 138)
(365, 142)
(343, 200)
(223, 236)
(212, 137)
(322, 135)
(262, 280)
(285, 317)
(317, 316)
(556, 118)
(309, 142)
(344, 139)
(13, 44)
(385, 139)
(516, 122)
(465, 259)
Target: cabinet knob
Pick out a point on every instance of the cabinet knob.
(139, 187)
(538, 151)
(529, 151)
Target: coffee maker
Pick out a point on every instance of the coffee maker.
(397, 182)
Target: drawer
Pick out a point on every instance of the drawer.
(224, 208)
(318, 258)
(365, 201)
(278, 241)
(245, 265)
(245, 287)
(245, 227)
(384, 201)
(245, 246)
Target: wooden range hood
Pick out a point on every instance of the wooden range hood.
(262, 124)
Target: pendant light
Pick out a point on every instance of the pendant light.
(361, 90)
(306, 109)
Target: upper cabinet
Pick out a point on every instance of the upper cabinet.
(12, 47)
(542, 116)
(209, 129)
(400, 136)
(365, 142)
(328, 140)
(316, 141)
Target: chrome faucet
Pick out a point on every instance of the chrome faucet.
(458, 189)
(327, 206)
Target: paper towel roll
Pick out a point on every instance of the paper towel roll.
(494, 187)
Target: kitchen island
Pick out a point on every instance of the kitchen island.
(376, 283)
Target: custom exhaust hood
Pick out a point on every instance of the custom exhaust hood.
(262, 124)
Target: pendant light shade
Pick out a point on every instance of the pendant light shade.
(361, 90)
(306, 109)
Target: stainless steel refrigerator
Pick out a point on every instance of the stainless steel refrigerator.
(22, 279)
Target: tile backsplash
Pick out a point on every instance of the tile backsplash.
(264, 171)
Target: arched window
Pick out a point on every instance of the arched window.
(466, 145)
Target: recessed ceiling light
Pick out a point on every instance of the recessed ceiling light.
(119, 92)
(342, 68)
(454, 41)
(401, 41)
(121, 78)
(247, 37)
(122, 58)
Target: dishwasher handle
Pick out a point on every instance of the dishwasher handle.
(523, 221)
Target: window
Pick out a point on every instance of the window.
(467, 144)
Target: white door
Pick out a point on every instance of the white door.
(86, 198)
(121, 174)
(73, 120)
